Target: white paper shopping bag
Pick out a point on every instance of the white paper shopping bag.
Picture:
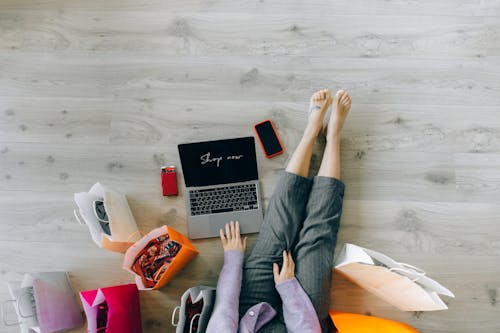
(402, 285)
(122, 227)
(44, 303)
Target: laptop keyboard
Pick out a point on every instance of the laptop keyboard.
(223, 199)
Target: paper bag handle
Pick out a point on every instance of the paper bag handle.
(191, 323)
(407, 268)
(176, 309)
(142, 233)
(77, 216)
(4, 315)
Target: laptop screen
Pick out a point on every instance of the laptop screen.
(219, 162)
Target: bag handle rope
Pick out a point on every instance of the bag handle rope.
(176, 309)
(409, 269)
(140, 232)
(18, 308)
(192, 320)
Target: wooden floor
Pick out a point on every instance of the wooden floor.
(105, 90)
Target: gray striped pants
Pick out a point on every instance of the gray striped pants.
(303, 216)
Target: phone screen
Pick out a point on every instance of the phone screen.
(268, 138)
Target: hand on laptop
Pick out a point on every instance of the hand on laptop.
(232, 240)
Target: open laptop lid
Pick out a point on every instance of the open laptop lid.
(218, 162)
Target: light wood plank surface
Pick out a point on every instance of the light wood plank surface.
(344, 7)
(105, 90)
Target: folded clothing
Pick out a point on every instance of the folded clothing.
(154, 259)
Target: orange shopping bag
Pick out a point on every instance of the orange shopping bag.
(356, 323)
(158, 256)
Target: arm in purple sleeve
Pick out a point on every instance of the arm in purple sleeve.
(225, 316)
(298, 310)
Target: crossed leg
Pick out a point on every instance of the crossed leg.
(313, 252)
(284, 226)
(284, 216)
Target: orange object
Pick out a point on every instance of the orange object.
(186, 253)
(115, 246)
(355, 323)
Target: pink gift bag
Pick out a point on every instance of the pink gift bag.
(112, 309)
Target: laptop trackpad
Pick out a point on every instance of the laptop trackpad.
(249, 222)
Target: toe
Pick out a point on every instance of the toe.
(345, 95)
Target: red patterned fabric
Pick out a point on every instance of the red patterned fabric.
(154, 259)
(102, 317)
(192, 309)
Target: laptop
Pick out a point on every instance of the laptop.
(222, 185)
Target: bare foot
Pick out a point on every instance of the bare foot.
(341, 106)
(320, 103)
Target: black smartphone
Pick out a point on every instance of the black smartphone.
(268, 138)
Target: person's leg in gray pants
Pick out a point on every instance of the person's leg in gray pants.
(313, 252)
(279, 231)
(314, 239)
(303, 216)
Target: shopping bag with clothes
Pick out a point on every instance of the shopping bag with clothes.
(112, 309)
(108, 216)
(43, 303)
(195, 310)
(158, 256)
(354, 323)
(402, 285)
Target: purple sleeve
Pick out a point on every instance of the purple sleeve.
(298, 310)
(225, 314)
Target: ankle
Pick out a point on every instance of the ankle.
(333, 137)
(311, 131)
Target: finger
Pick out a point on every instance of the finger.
(228, 232)
(276, 270)
(291, 262)
(223, 239)
(233, 231)
(285, 259)
(237, 229)
(290, 257)
(245, 243)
